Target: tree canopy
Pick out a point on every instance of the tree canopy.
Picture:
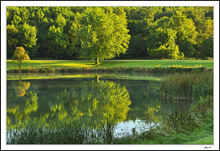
(102, 33)
(108, 32)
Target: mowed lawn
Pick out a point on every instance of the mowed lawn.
(110, 63)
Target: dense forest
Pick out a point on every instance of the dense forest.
(152, 32)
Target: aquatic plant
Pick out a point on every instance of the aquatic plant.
(187, 86)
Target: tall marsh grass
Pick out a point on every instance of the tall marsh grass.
(35, 132)
(187, 86)
(60, 132)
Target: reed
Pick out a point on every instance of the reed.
(60, 132)
(187, 86)
(67, 131)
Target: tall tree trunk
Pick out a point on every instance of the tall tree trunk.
(97, 61)
(19, 65)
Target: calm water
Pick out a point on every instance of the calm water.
(100, 109)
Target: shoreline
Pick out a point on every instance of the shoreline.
(111, 70)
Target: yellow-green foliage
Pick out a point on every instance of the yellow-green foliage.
(21, 87)
(92, 106)
(102, 33)
(19, 114)
(20, 55)
(98, 101)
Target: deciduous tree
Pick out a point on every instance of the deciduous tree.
(28, 37)
(12, 39)
(102, 33)
(20, 55)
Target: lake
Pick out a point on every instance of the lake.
(86, 110)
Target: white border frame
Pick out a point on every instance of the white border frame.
(4, 4)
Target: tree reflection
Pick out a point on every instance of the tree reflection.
(19, 110)
(20, 87)
(73, 111)
(102, 103)
(151, 114)
(96, 106)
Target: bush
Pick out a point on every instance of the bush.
(168, 50)
(20, 55)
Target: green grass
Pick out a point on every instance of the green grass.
(201, 135)
(157, 63)
(110, 64)
(50, 63)
(206, 140)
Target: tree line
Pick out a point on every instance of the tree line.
(111, 32)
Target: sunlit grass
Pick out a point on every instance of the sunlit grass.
(110, 64)
(71, 65)
(49, 63)
(157, 63)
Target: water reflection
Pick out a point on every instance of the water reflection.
(22, 105)
(21, 88)
(102, 103)
(81, 110)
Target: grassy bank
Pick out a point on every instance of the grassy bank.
(148, 66)
(159, 70)
(193, 125)
(56, 64)
(198, 129)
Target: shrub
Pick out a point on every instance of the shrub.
(20, 55)
(188, 119)
(168, 51)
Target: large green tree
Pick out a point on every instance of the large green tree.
(102, 33)
(27, 38)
